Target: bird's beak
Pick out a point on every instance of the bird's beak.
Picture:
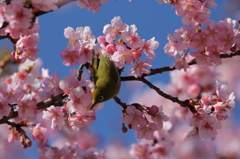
(93, 104)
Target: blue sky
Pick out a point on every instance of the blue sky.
(152, 20)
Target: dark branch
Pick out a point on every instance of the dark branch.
(171, 68)
(118, 101)
(54, 100)
(185, 103)
(6, 118)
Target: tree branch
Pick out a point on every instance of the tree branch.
(118, 101)
(53, 100)
(185, 103)
(6, 118)
(171, 68)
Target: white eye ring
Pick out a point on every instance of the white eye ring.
(101, 98)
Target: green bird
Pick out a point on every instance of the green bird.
(106, 79)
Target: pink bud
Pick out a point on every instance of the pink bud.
(102, 40)
(136, 54)
(153, 110)
(64, 109)
(111, 48)
(124, 129)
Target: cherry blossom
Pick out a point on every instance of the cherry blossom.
(55, 114)
(26, 108)
(70, 56)
(20, 23)
(149, 47)
(68, 83)
(112, 30)
(86, 34)
(27, 47)
(208, 127)
(171, 46)
(78, 121)
(181, 63)
(110, 49)
(51, 84)
(72, 35)
(12, 92)
(134, 118)
(140, 68)
(38, 132)
(159, 118)
(201, 58)
(198, 41)
(122, 56)
(146, 131)
(188, 7)
(80, 101)
(86, 52)
(131, 38)
(136, 54)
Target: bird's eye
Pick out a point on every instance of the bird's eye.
(101, 98)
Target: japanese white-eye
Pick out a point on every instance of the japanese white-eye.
(106, 79)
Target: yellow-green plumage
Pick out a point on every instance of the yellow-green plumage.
(106, 79)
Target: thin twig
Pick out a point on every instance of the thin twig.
(118, 101)
(185, 103)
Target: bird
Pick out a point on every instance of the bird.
(106, 79)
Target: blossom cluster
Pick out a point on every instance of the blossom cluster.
(211, 110)
(20, 92)
(75, 113)
(213, 102)
(18, 23)
(24, 89)
(121, 43)
(201, 39)
(212, 99)
(144, 121)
